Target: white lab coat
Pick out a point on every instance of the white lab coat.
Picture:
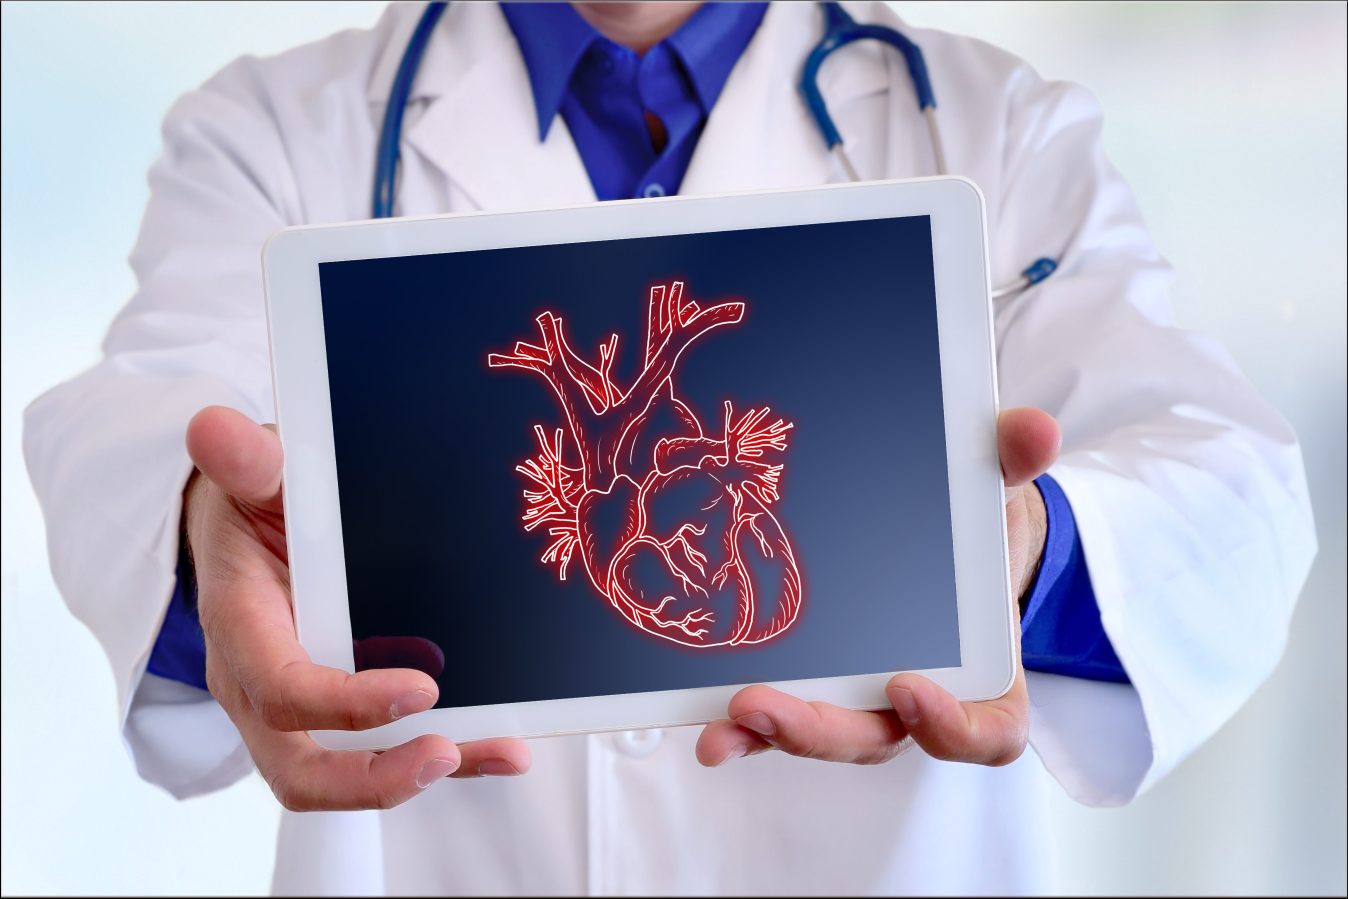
(1188, 489)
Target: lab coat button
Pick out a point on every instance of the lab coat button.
(639, 744)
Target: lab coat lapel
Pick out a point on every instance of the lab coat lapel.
(760, 134)
(480, 127)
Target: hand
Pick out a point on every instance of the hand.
(255, 666)
(986, 733)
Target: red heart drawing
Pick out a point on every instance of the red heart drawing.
(672, 522)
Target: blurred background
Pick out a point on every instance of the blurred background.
(1229, 121)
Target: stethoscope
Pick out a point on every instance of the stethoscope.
(840, 29)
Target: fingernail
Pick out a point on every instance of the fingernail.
(435, 769)
(410, 704)
(758, 723)
(736, 752)
(497, 768)
(905, 704)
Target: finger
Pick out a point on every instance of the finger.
(305, 777)
(985, 733)
(305, 696)
(249, 624)
(817, 730)
(724, 740)
(1027, 442)
(494, 758)
(238, 455)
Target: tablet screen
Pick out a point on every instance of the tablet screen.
(646, 464)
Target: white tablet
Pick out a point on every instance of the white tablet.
(599, 468)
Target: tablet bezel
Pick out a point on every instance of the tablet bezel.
(986, 614)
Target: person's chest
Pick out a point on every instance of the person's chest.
(475, 144)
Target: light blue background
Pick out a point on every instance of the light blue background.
(1229, 120)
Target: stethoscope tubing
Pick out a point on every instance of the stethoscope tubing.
(390, 133)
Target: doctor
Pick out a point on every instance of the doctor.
(1158, 560)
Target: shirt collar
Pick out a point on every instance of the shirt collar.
(553, 38)
(712, 41)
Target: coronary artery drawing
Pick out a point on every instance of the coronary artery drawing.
(669, 518)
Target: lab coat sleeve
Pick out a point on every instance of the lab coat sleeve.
(1188, 489)
(105, 450)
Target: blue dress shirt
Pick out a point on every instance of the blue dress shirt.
(603, 91)
(1060, 629)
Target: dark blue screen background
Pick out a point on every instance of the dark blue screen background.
(839, 337)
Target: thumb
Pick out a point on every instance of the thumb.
(993, 732)
(236, 454)
(1027, 442)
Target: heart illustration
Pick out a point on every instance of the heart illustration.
(672, 521)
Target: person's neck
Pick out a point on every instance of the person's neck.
(637, 26)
